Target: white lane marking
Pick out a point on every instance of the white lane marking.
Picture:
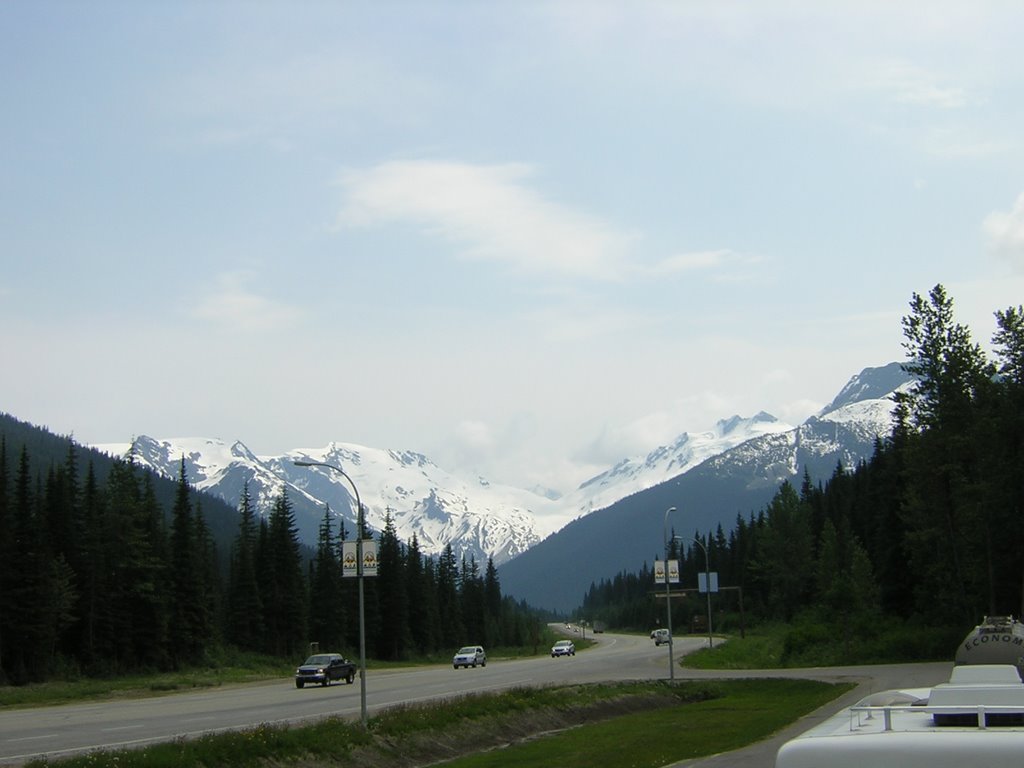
(34, 738)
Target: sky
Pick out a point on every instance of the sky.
(526, 239)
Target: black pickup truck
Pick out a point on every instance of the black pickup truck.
(324, 668)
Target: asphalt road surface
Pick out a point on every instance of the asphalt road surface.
(67, 729)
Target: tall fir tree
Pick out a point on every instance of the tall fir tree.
(243, 605)
(187, 599)
(326, 605)
(283, 585)
(393, 634)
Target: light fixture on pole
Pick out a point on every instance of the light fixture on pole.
(668, 600)
(707, 586)
(359, 565)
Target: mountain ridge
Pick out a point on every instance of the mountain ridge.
(483, 520)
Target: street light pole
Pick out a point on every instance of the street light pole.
(707, 584)
(668, 601)
(359, 566)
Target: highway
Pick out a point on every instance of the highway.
(61, 730)
(71, 728)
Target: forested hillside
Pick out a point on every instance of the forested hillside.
(106, 569)
(927, 534)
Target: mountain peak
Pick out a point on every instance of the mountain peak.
(870, 384)
(727, 426)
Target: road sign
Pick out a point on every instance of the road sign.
(702, 582)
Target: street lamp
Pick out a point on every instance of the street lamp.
(359, 566)
(707, 585)
(668, 601)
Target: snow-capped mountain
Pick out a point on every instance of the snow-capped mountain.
(665, 462)
(481, 519)
(439, 508)
(739, 481)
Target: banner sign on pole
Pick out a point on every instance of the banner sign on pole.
(659, 571)
(370, 557)
(349, 559)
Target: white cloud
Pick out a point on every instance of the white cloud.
(231, 305)
(474, 435)
(490, 213)
(1005, 233)
(909, 83)
(686, 262)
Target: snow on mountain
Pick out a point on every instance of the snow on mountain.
(741, 480)
(665, 462)
(477, 518)
(482, 520)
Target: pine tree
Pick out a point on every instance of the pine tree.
(471, 599)
(187, 598)
(948, 526)
(283, 586)
(449, 610)
(8, 575)
(785, 554)
(422, 597)
(326, 606)
(393, 637)
(244, 608)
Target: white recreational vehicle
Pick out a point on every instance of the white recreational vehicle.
(976, 719)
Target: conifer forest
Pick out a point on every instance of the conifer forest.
(101, 580)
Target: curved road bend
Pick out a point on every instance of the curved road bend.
(67, 729)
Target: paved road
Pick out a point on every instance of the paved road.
(61, 730)
(55, 731)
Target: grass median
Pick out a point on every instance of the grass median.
(640, 724)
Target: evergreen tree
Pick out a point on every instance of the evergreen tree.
(471, 600)
(326, 606)
(8, 574)
(284, 590)
(145, 579)
(449, 611)
(949, 530)
(187, 595)
(786, 554)
(91, 575)
(244, 608)
(393, 636)
(208, 579)
(422, 600)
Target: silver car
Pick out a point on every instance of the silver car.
(469, 656)
(563, 648)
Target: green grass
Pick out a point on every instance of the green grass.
(677, 722)
(237, 669)
(807, 642)
(762, 648)
(733, 719)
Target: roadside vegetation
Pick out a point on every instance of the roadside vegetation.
(808, 642)
(637, 724)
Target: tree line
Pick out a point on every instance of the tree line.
(98, 578)
(927, 532)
